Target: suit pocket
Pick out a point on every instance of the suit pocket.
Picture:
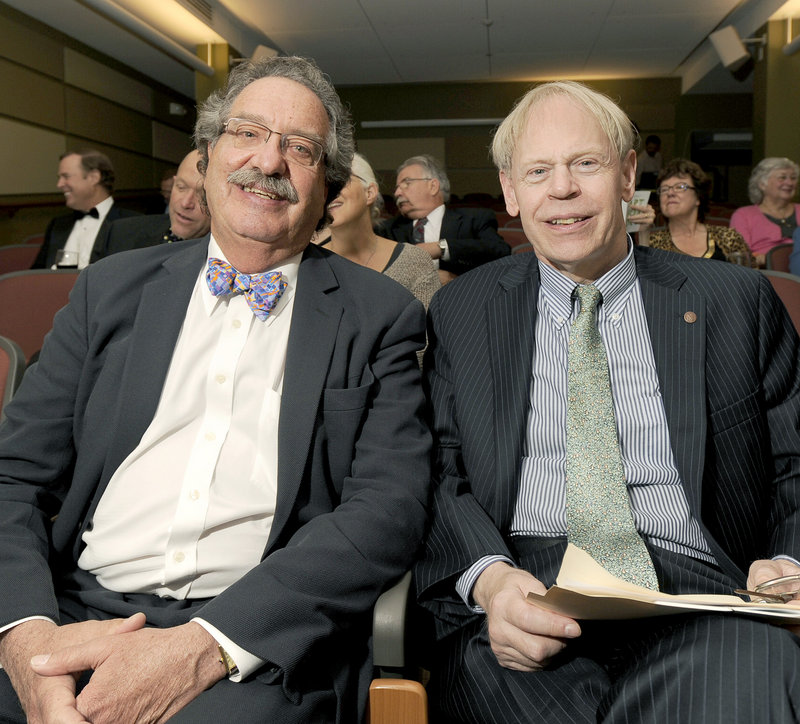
(343, 414)
(734, 415)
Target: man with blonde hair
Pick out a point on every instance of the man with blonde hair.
(641, 405)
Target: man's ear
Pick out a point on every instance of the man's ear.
(508, 194)
(94, 176)
(434, 182)
(628, 171)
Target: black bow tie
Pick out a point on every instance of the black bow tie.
(80, 214)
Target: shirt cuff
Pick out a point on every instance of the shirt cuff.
(786, 558)
(466, 581)
(244, 660)
(445, 250)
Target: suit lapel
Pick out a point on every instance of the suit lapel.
(511, 320)
(677, 321)
(159, 318)
(451, 222)
(315, 324)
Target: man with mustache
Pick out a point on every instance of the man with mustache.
(219, 461)
(186, 218)
(457, 239)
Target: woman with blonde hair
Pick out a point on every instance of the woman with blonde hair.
(352, 215)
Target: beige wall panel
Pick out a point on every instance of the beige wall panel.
(30, 156)
(465, 181)
(99, 121)
(96, 78)
(25, 46)
(30, 96)
(387, 154)
(169, 143)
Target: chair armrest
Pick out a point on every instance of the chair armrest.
(389, 621)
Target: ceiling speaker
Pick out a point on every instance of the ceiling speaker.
(730, 48)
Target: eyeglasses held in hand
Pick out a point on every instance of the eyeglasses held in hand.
(679, 188)
(248, 135)
(776, 590)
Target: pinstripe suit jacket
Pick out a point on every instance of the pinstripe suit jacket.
(729, 380)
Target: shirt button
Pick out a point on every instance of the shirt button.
(210, 436)
(178, 557)
(195, 495)
(237, 323)
(220, 379)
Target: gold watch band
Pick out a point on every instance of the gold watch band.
(226, 660)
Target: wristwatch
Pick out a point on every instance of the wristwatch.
(443, 246)
(226, 660)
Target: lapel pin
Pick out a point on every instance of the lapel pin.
(689, 317)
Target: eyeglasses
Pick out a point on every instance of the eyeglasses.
(778, 590)
(406, 182)
(678, 188)
(249, 135)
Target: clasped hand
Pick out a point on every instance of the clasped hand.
(139, 674)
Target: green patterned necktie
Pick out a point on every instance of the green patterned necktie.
(599, 516)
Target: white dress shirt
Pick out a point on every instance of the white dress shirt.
(433, 231)
(84, 232)
(189, 511)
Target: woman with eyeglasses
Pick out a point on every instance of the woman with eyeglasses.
(774, 216)
(352, 215)
(683, 190)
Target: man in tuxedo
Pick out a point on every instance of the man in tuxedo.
(187, 217)
(86, 178)
(222, 439)
(457, 239)
(702, 399)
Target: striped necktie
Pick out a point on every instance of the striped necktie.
(419, 230)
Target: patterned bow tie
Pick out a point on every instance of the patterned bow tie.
(262, 291)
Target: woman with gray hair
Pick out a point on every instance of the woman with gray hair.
(352, 216)
(774, 216)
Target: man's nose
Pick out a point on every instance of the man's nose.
(269, 157)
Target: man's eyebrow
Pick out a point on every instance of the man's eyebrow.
(256, 118)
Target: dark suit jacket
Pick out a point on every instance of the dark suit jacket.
(138, 232)
(353, 468)
(58, 231)
(730, 381)
(471, 235)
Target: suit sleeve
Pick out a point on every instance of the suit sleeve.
(309, 600)
(40, 262)
(37, 457)
(476, 243)
(461, 531)
(779, 359)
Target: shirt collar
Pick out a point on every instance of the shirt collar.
(557, 288)
(436, 216)
(103, 208)
(290, 269)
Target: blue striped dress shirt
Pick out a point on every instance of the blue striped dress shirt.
(658, 503)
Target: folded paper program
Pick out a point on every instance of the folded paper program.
(584, 590)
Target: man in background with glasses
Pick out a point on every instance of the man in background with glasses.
(224, 435)
(457, 239)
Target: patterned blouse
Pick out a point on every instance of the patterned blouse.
(722, 241)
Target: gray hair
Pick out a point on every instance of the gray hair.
(762, 171)
(339, 145)
(366, 175)
(612, 119)
(433, 168)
